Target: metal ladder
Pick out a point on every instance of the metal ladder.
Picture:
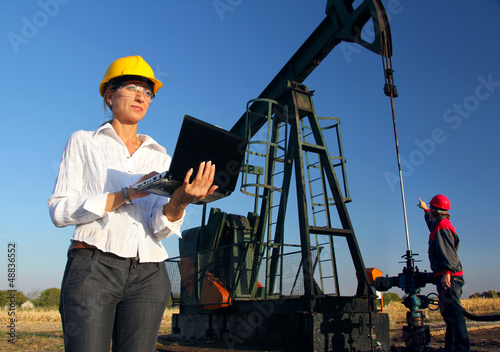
(271, 151)
(313, 152)
(320, 199)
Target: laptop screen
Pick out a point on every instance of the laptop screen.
(200, 141)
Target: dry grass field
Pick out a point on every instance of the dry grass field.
(478, 306)
(40, 329)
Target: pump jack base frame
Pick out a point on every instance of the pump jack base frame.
(338, 324)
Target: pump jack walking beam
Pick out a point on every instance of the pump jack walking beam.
(342, 23)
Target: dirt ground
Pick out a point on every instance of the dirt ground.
(484, 337)
(482, 340)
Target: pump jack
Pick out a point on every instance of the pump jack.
(236, 278)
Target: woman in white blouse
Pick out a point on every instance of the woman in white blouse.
(115, 286)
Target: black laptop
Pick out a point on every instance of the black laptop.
(200, 141)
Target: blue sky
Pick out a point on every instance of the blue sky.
(212, 61)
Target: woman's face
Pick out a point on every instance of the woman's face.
(129, 102)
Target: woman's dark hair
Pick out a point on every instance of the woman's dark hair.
(439, 214)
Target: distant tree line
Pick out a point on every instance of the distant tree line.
(391, 297)
(486, 294)
(48, 298)
(394, 297)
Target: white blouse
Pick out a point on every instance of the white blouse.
(95, 164)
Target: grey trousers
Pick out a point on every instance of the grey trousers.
(457, 337)
(107, 298)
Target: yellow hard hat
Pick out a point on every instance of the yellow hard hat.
(129, 67)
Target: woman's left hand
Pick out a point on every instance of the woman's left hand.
(191, 192)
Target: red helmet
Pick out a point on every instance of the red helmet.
(441, 202)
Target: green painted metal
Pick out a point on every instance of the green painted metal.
(303, 108)
(297, 102)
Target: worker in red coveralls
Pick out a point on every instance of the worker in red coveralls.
(446, 266)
